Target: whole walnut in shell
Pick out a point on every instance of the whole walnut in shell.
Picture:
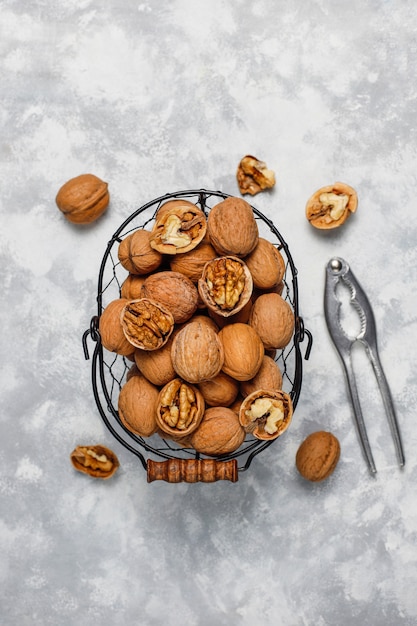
(266, 265)
(330, 206)
(83, 199)
(266, 414)
(197, 352)
(156, 365)
(317, 456)
(179, 227)
(220, 390)
(192, 263)
(137, 404)
(273, 319)
(232, 227)
(132, 286)
(269, 376)
(136, 255)
(173, 291)
(243, 351)
(219, 432)
(111, 330)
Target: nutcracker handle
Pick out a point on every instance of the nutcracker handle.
(192, 470)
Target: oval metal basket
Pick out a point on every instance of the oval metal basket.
(163, 459)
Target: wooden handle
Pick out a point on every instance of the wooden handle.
(192, 470)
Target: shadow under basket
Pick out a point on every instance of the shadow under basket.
(163, 459)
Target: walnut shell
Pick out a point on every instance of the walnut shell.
(273, 319)
(232, 227)
(221, 390)
(179, 227)
(112, 336)
(192, 263)
(174, 291)
(218, 433)
(132, 286)
(269, 376)
(330, 206)
(317, 456)
(243, 351)
(146, 324)
(180, 408)
(266, 414)
(197, 352)
(156, 365)
(83, 199)
(266, 264)
(97, 461)
(225, 285)
(136, 255)
(137, 404)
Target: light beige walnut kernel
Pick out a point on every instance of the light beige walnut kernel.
(254, 176)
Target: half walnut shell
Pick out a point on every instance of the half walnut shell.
(146, 324)
(180, 408)
(226, 285)
(330, 206)
(97, 461)
(266, 414)
(179, 227)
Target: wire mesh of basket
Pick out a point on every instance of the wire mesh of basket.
(164, 459)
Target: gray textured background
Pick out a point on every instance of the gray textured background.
(156, 97)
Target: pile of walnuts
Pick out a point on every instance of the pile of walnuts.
(201, 316)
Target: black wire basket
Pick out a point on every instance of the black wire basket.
(163, 459)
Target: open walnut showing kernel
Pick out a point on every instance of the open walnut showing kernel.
(146, 324)
(179, 227)
(331, 206)
(253, 176)
(226, 285)
(96, 461)
(266, 414)
(180, 408)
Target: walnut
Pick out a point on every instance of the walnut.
(83, 199)
(273, 319)
(192, 263)
(132, 286)
(232, 227)
(111, 330)
(156, 365)
(174, 291)
(221, 390)
(137, 404)
(179, 227)
(266, 414)
(197, 352)
(146, 324)
(269, 377)
(136, 255)
(253, 176)
(226, 285)
(243, 351)
(317, 456)
(180, 408)
(218, 433)
(97, 461)
(266, 265)
(330, 206)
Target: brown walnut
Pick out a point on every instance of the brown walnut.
(225, 285)
(253, 176)
(330, 206)
(83, 199)
(266, 414)
(174, 291)
(137, 404)
(273, 319)
(219, 432)
(136, 255)
(146, 324)
(243, 351)
(266, 265)
(111, 331)
(232, 227)
(220, 390)
(317, 456)
(180, 408)
(269, 377)
(192, 263)
(179, 227)
(97, 461)
(197, 353)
